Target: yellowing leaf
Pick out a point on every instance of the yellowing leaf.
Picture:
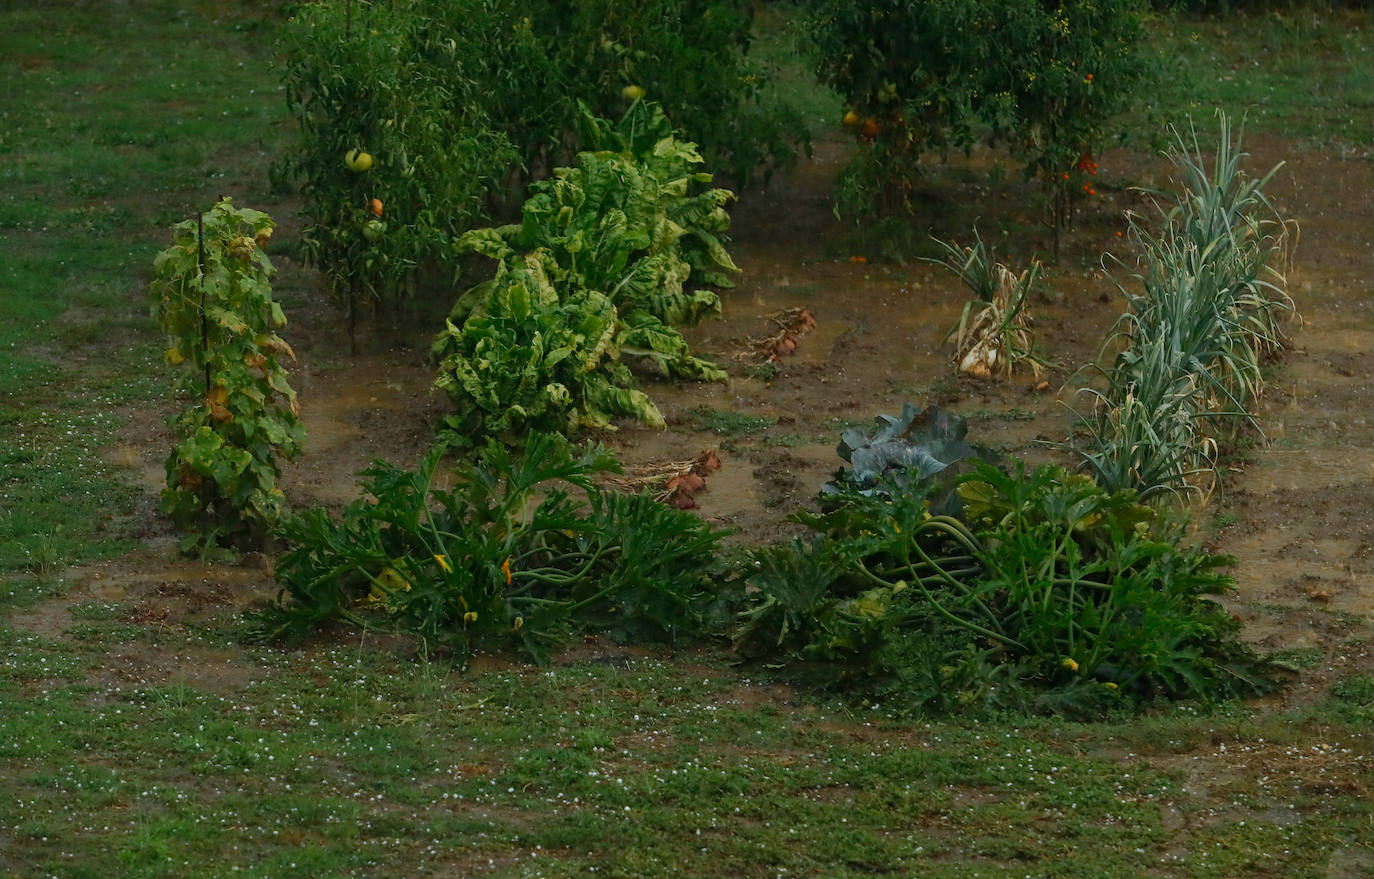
(217, 400)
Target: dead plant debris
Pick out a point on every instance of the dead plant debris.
(672, 482)
(791, 323)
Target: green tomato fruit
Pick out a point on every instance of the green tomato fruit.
(373, 230)
(357, 160)
(632, 92)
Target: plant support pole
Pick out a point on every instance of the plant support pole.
(204, 319)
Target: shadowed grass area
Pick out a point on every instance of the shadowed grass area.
(1305, 72)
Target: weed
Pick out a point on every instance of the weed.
(1013, 414)
(793, 440)
(1223, 519)
(763, 372)
(1298, 658)
(94, 611)
(1353, 699)
(723, 422)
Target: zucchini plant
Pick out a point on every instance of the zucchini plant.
(520, 550)
(1039, 591)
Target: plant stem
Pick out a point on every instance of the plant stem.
(940, 609)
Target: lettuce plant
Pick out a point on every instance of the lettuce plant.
(594, 276)
(531, 361)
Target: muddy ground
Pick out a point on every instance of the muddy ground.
(1293, 509)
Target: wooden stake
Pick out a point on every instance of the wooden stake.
(204, 319)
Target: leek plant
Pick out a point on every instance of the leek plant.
(1211, 311)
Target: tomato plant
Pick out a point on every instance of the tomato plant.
(932, 75)
(912, 72)
(690, 57)
(446, 110)
(385, 117)
(1077, 67)
(211, 295)
(536, 60)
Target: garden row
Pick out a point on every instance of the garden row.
(936, 576)
(595, 278)
(1047, 81)
(420, 119)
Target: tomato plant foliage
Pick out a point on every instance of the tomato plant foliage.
(211, 295)
(461, 103)
(690, 57)
(391, 85)
(1049, 78)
